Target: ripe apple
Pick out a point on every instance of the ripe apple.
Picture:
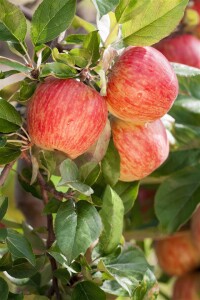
(195, 227)
(142, 149)
(66, 115)
(177, 254)
(187, 287)
(184, 49)
(141, 85)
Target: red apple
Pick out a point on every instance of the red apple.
(142, 149)
(187, 287)
(66, 115)
(141, 86)
(195, 227)
(184, 49)
(177, 254)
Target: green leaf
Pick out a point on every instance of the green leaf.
(128, 9)
(14, 64)
(52, 206)
(12, 23)
(185, 71)
(80, 56)
(177, 161)
(63, 275)
(58, 70)
(68, 171)
(111, 165)
(91, 43)
(186, 110)
(63, 57)
(152, 23)
(6, 262)
(104, 6)
(9, 92)
(19, 246)
(51, 18)
(112, 218)
(3, 206)
(6, 74)
(127, 269)
(12, 296)
(3, 141)
(23, 269)
(42, 52)
(10, 119)
(187, 137)
(88, 290)
(69, 176)
(26, 90)
(75, 38)
(8, 154)
(3, 234)
(189, 86)
(17, 48)
(4, 290)
(77, 226)
(128, 192)
(177, 198)
(89, 172)
(79, 22)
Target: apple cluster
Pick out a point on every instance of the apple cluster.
(179, 255)
(69, 116)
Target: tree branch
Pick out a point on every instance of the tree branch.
(50, 238)
(5, 172)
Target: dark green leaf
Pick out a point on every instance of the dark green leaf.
(177, 198)
(33, 237)
(7, 73)
(177, 161)
(128, 192)
(3, 206)
(63, 275)
(68, 171)
(6, 262)
(51, 18)
(112, 218)
(104, 6)
(184, 70)
(14, 64)
(8, 154)
(12, 296)
(88, 290)
(4, 290)
(10, 119)
(3, 234)
(77, 226)
(189, 86)
(12, 23)
(89, 172)
(81, 188)
(111, 165)
(58, 70)
(52, 206)
(143, 30)
(75, 38)
(23, 269)
(3, 141)
(19, 246)
(91, 43)
(187, 137)
(26, 90)
(186, 110)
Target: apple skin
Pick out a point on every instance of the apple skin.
(184, 49)
(142, 149)
(141, 86)
(195, 227)
(66, 115)
(187, 287)
(177, 254)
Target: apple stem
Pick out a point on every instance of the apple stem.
(17, 141)
(18, 134)
(26, 133)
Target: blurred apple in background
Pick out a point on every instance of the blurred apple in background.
(187, 287)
